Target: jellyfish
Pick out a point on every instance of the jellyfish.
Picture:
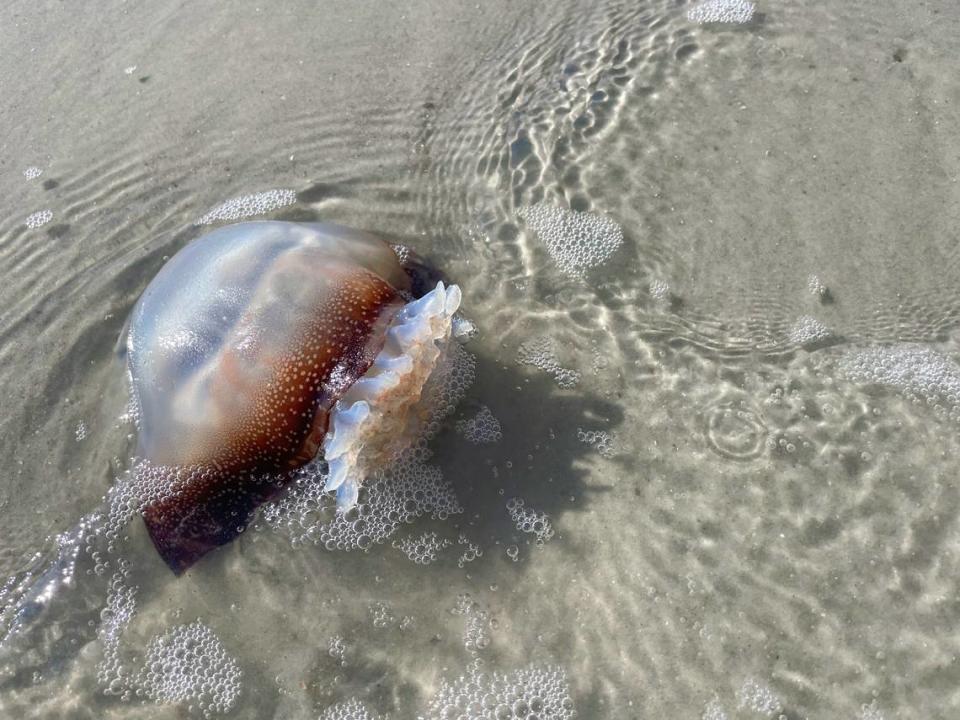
(263, 346)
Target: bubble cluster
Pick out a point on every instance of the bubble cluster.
(337, 649)
(599, 360)
(870, 712)
(382, 614)
(120, 609)
(540, 692)
(463, 328)
(188, 664)
(81, 431)
(472, 552)
(246, 206)
(39, 218)
(528, 520)
(447, 386)
(407, 622)
(396, 495)
(351, 709)
(918, 372)
(140, 486)
(422, 549)
(659, 290)
(481, 428)
(817, 288)
(407, 488)
(714, 711)
(577, 241)
(541, 352)
(32, 172)
(603, 441)
(477, 625)
(758, 697)
(721, 11)
(808, 330)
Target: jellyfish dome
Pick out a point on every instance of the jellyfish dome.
(262, 346)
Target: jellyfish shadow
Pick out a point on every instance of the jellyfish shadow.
(541, 458)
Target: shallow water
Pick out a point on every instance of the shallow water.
(741, 418)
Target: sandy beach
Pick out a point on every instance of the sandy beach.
(713, 274)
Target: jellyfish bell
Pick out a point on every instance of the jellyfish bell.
(262, 346)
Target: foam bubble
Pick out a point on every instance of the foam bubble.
(541, 692)
(407, 622)
(541, 352)
(577, 241)
(422, 549)
(39, 218)
(600, 439)
(121, 607)
(382, 614)
(447, 386)
(351, 709)
(188, 664)
(659, 290)
(481, 428)
(722, 11)
(32, 172)
(396, 495)
(477, 625)
(758, 697)
(599, 361)
(918, 372)
(472, 552)
(337, 649)
(870, 712)
(714, 711)
(808, 330)
(142, 485)
(246, 206)
(528, 520)
(817, 288)
(463, 328)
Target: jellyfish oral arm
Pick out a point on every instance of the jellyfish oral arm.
(378, 415)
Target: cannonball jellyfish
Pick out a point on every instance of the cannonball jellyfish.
(263, 346)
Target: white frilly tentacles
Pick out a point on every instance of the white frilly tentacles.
(375, 404)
